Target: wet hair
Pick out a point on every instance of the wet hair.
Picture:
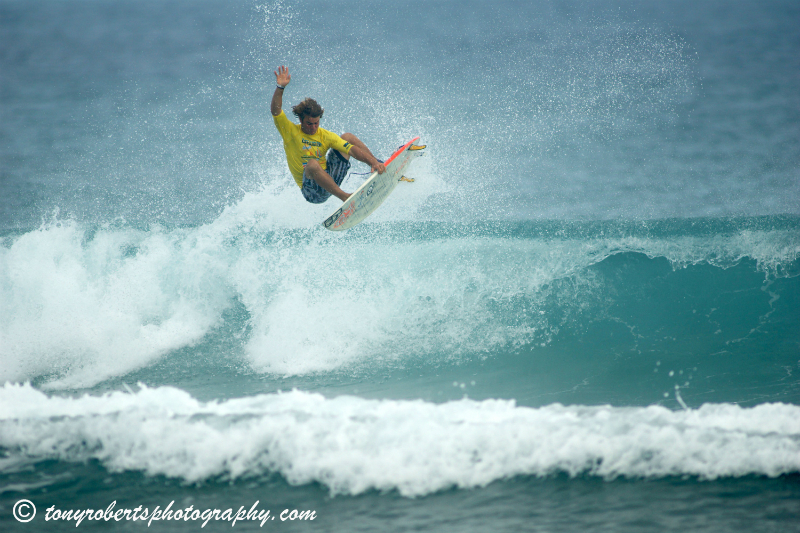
(310, 107)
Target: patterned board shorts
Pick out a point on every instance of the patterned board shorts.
(337, 168)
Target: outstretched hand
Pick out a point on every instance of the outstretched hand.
(282, 77)
(378, 167)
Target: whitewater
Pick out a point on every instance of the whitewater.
(582, 315)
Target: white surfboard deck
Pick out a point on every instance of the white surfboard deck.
(375, 190)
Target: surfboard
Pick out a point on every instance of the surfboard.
(366, 199)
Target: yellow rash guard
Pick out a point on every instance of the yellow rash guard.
(301, 148)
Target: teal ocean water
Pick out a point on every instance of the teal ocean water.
(581, 316)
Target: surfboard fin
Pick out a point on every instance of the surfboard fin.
(417, 147)
(409, 180)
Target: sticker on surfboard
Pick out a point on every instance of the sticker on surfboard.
(366, 199)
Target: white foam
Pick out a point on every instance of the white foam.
(323, 307)
(352, 445)
(86, 311)
(80, 309)
(771, 250)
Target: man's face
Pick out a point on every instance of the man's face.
(309, 125)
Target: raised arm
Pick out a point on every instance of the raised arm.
(282, 78)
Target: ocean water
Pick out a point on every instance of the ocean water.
(581, 316)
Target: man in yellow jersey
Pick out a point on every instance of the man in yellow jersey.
(317, 170)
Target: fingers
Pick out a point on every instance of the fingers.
(282, 74)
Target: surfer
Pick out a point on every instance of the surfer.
(318, 159)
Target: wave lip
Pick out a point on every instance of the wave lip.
(352, 445)
(83, 305)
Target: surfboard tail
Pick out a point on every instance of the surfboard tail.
(375, 189)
